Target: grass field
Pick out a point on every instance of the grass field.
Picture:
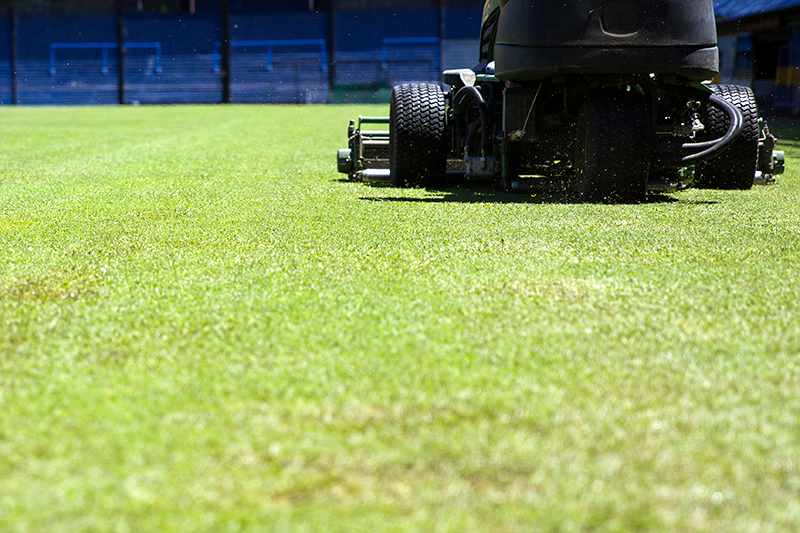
(202, 328)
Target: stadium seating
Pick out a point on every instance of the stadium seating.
(187, 73)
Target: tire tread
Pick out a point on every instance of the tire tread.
(417, 134)
(735, 168)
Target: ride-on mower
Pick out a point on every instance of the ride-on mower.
(606, 98)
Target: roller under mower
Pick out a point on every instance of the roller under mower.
(607, 99)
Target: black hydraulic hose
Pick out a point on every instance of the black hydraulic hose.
(471, 134)
(710, 148)
(460, 104)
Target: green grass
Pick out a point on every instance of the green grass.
(203, 329)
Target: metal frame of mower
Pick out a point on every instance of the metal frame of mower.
(600, 127)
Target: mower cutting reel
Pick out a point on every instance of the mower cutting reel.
(367, 154)
(603, 98)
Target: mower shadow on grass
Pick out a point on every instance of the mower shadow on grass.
(474, 194)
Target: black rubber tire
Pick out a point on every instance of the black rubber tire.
(418, 146)
(735, 168)
(613, 147)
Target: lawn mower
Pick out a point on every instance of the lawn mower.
(608, 99)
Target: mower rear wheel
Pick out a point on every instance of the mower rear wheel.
(418, 147)
(735, 168)
(612, 152)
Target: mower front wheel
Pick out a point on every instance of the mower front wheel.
(418, 147)
(735, 168)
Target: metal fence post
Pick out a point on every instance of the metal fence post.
(14, 57)
(442, 34)
(225, 50)
(332, 49)
(121, 52)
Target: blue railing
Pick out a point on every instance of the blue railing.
(391, 41)
(104, 47)
(270, 45)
